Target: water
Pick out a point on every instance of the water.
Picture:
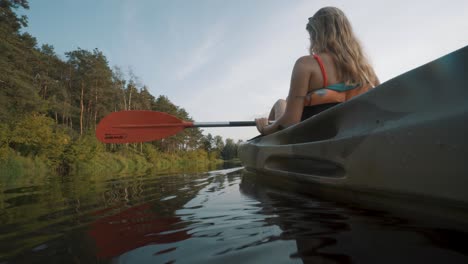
(215, 217)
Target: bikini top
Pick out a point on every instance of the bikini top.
(335, 93)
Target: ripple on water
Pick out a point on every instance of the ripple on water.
(168, 198)
(215, 217)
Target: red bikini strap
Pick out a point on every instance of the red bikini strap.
(322, 68)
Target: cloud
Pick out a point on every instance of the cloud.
(255, 76)
(202, 54)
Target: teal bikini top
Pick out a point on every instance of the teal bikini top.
(340, 87)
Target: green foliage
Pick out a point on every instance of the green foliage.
(8, 17)
(13, 166)
(85, 148)
(218, 143)
(106, 163)
(207, 143)
(229, 151)
(49, 109)
(4, 134)
(32, 134)
(37, 135)
(214, 155)
(216, 148)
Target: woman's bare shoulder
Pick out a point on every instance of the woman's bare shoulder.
(307, 60)
(306, 63)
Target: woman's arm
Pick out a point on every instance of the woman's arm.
(295, 102)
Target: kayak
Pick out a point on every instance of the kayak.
(406, 138)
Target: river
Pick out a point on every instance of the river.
(221, 216)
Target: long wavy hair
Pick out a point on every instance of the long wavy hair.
(331, 32)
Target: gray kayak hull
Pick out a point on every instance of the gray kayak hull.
(407, 137)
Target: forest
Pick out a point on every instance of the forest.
(50, 106)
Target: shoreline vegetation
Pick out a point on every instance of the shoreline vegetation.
(50, 106)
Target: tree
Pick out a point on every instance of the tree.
(9, 18)
(118, 83)
(18, 56)
(230, 150)
(217, 147)
(207, 143)
(92, 86)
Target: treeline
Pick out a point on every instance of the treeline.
(49, 107)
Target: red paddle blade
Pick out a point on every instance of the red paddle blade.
(138, 126)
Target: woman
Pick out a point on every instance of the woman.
(336, 71)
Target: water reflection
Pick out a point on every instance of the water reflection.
(328, 232)
(312, 224)
(133, 228)
(215, 217)
(223, 224)
(73, 218)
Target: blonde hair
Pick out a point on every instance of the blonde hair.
(331, 32)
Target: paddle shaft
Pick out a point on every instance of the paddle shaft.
(189, 124)
(224, 124)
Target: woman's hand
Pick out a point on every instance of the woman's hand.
(261, 124)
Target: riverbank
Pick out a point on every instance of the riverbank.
(124, 162)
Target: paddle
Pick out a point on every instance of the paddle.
(142, 126)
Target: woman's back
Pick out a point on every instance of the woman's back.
(317, 78)
(326, 85)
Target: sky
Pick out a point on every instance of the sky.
(231, 60)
